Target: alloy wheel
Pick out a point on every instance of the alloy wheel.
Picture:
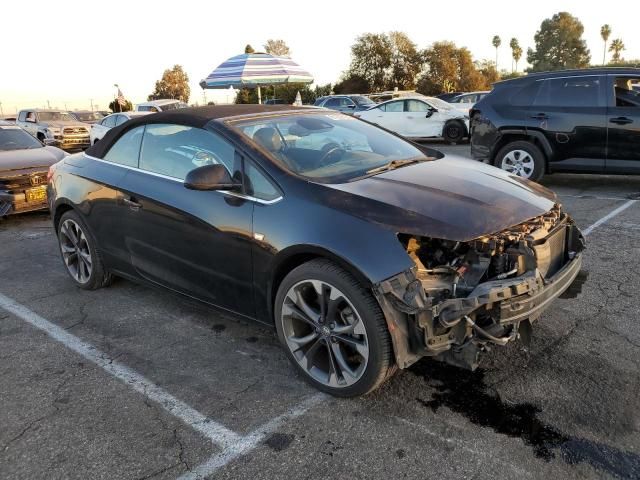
(518, 162)
(325, 333)
(75, 251)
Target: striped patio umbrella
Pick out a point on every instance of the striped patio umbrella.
(253, 70)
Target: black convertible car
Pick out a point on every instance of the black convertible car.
(366, 251)
(24, 162)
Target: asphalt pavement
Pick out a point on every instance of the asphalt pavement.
(129, 382)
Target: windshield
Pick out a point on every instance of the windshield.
(327, 147)
(360, 100)
(88, 116)
(14, 138)
(439, 104)
(55, 117)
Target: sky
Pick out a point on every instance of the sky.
(70, 53)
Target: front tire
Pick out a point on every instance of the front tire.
(333, 330)
(454, 131)
(80, 254)
(521, 158)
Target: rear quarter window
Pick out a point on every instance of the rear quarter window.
(525, 95)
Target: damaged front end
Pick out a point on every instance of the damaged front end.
(463, 296)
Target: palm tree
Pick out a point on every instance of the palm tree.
(517, 55)
(515, 47)
(616, 47)
(496, 42)
(605, 32)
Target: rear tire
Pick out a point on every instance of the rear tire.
(333, 330)
(454, 131)
(521, 158)
(79, 251)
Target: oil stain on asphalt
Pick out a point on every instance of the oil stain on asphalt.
(465, 392)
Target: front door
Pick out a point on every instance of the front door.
(623, 115)
(422, 120)
(571, 113)
(195, 242)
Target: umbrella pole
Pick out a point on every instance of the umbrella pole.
(259, 96)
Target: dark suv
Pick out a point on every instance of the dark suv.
(567, 121)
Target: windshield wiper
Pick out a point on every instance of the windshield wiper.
(393, 164)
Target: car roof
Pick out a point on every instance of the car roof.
(42, 110)
(164, 101)
(193, 117)
(574, 73)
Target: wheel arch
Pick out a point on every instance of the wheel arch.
(294, 256)
(58, 211)
(533, 136)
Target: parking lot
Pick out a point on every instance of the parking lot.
(130, 382)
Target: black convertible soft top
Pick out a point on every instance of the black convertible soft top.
(192, 117)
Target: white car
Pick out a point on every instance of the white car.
(466, 101)
(99, 129)
(419, 117)
(154, 106)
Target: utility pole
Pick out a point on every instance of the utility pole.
(48, 105)
(65, 105)
(1, 111)
(91, 100)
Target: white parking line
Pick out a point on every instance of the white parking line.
(233, 445)
(216, 432)
(607, 217)
(250, 442)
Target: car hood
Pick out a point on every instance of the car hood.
(14, 161)
(452, 198)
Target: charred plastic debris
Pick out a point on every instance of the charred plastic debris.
(463, 296)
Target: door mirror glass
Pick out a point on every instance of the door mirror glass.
(211, 177)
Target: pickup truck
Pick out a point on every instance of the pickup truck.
(58, 125)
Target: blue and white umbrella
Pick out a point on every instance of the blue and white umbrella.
(252, 70)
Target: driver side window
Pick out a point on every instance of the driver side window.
(175, 150)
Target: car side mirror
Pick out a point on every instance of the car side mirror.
(351, 106)
(429, 113)
(211, 177)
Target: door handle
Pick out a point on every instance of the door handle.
(621, 120)
(540, 116)
(132, 204)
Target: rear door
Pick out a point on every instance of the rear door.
(623, 115)
(194, 242)
(571, 113)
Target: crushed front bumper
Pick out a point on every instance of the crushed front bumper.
(447, 330)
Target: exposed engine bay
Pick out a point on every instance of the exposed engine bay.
(462, 297)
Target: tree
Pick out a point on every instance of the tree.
(351, 84)
(616, 47)
(114, 106)
(448, 69)
(496, 42)
(277, 47)
(173, 84)
(249, 49)
(370, 59)
(489, 72)
(406, 62)
(605, 32)
(559, 44)
(516, 53)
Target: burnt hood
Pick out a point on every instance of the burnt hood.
(12, 161)
(452, 198)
